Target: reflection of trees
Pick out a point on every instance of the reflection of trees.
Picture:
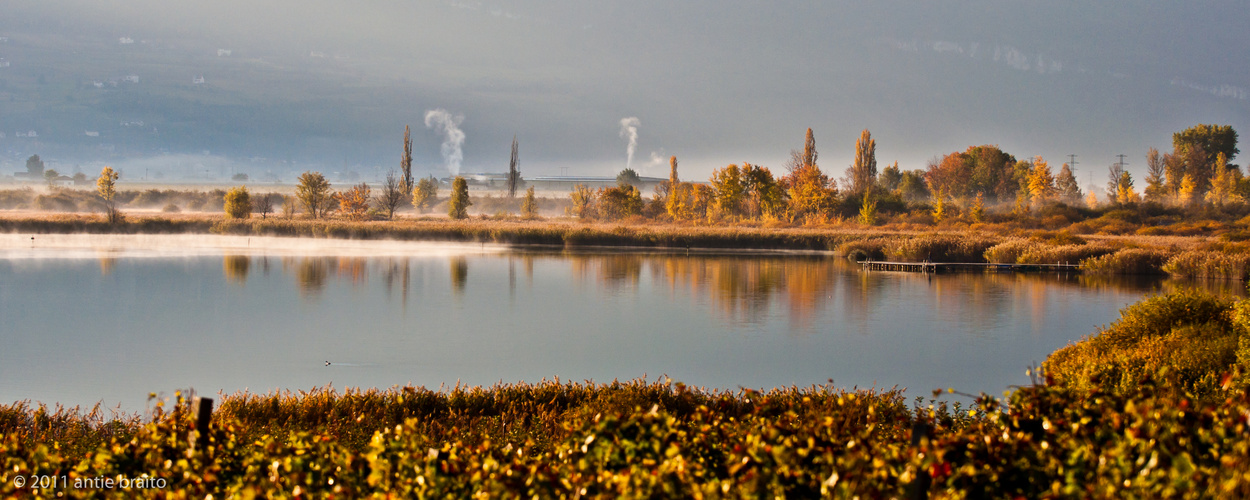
(353, 269)
(459, 274)
(310, 273)
(397, 273)
(743, 287)
(235, 268)
(106, 265)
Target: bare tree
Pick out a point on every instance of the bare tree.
(514, 170)
(264, 205)
(392, 194)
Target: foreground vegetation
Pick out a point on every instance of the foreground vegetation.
(644, 440)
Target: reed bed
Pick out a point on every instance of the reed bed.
(1127, 261)
(1208, 265)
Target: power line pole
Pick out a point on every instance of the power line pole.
(1121, 162)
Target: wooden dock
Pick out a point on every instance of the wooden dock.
(947, 267)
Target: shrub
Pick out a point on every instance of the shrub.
(940, 248)
(1185, 337)
(238, 204)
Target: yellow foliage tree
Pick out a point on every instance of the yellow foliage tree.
(1188, 188)
(238, 203)
(106, 186)
(1125, 194)
(1223, 183)
(1041, 181)
(354, 203)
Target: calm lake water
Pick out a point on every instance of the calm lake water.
(89, 318)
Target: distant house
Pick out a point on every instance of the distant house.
(92, 133)
(131, 78)
(224, 52)
(560, 183)
(62, 181)
(98, 85)
(125, 40)
(197, 80)
(32, 133)
(316, 54)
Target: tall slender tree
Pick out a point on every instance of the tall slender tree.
(405, 164)
(1155, 175)
(863, 174)
(1065, 183)
(514, 170)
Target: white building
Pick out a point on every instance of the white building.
(92, 133)
(224, 52)
(131, 78)
(125, 40)
(197, 80)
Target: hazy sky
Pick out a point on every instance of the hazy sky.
(712, 82)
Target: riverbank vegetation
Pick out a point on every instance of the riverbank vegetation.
(643, 440)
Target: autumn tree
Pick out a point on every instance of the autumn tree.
(425, 195)
(863, 172)
(354, 202)
(106, 186)
(583, 202)
(392, 194)
(1174, 172)
(1125, 194)
(514, 169)
(529, 206)
(458, 205)
(1041, 181)
(808, 188)
(620, 201)
(238, 203)
(730, 188)
(1223, 183)
(1156, 169)
(405, 163)
(313, 191)
(1068, 189)
(1114, 174)
(1187, 193)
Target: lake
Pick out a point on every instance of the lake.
(110, 319)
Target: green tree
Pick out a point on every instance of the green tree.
(425, 195)
(458, 205)
(1067, 187)
(106, 186)
(912, 186)
(50, 175)
(238, 203)
(764, 195)
(34, 167)
(863, 172)
(514, 169)
(1156, 169)
(313, 191)
(890, 177)
(1213, 139)
(529, 207)
(628, 177)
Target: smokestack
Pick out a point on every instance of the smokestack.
(453, 139)
(629, 130)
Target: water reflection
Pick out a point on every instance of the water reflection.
(235, 268)
(748, 290)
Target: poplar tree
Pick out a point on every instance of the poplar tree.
(514, 172)
(458, 206)
(405, 163)
(1155, 171)
(864, 171)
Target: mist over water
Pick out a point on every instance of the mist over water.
(111, 318)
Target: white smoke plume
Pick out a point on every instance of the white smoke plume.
(629, 130)
(454, 137)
